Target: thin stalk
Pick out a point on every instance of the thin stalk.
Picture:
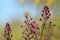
(42, 29)
(42, 32)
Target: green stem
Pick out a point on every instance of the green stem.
(42, 30)
(42, 33)
(8, 38)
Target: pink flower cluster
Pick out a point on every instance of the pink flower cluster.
(45, 12)
(45, 16)
(32, 29)
(7, 32)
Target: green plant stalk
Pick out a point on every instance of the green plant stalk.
(8, 38)
(42, 32)
(42, 29)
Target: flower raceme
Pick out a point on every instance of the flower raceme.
(31, 30)
(45, 13)
(33, 26)
(7, 29)
(45, 16)
(7, 32)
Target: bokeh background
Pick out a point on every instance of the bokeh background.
(12, 11)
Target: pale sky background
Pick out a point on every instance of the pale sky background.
(9, 9)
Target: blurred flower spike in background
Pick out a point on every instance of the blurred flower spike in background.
(7, 32)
